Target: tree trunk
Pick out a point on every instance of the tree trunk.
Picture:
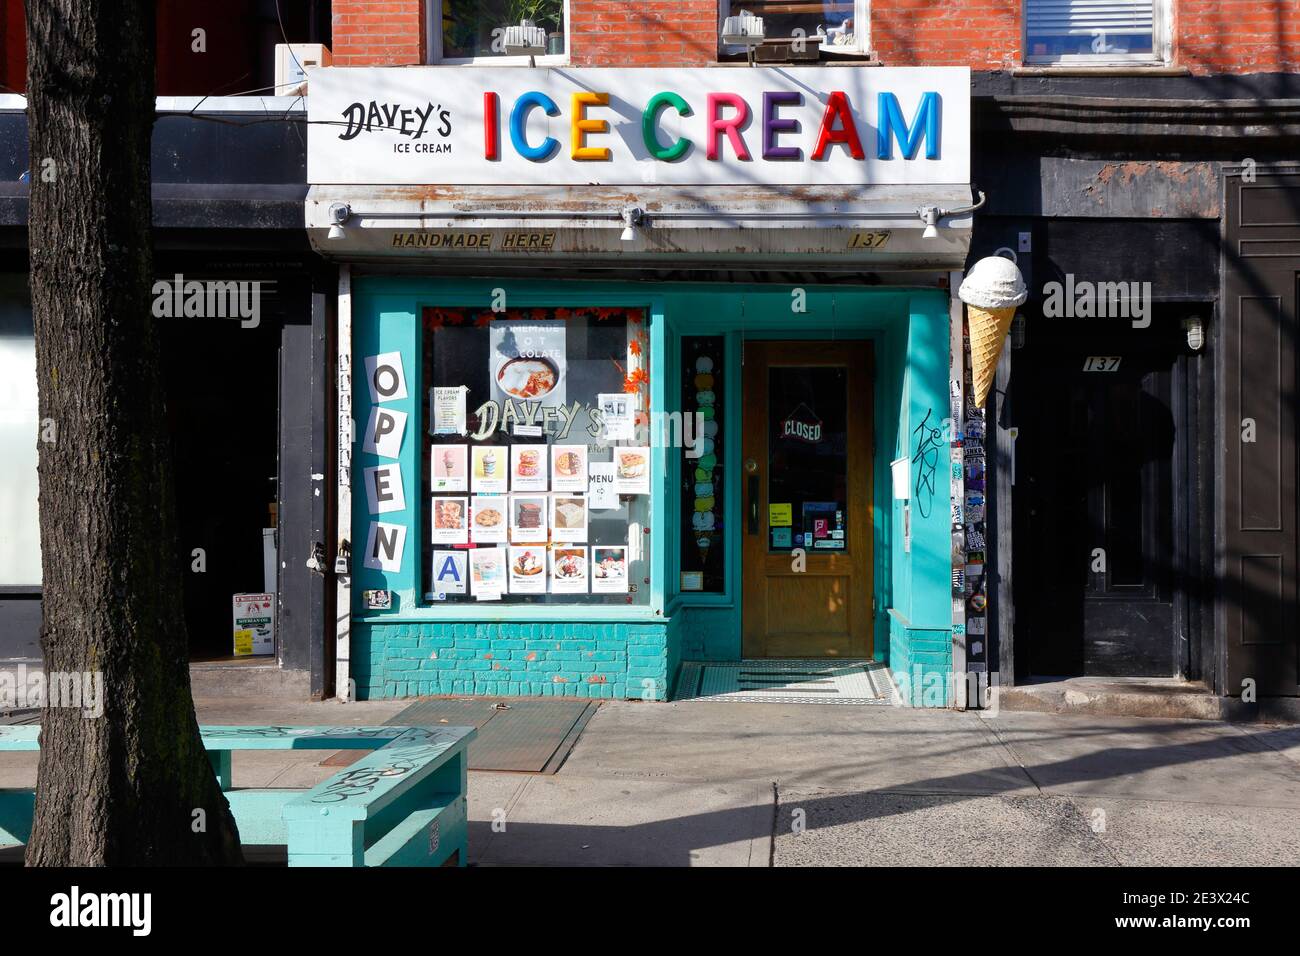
(126, 787)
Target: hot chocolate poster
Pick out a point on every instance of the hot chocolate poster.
(527, 362)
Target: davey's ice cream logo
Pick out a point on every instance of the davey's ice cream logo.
(412, 121)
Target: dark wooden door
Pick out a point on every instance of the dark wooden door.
(1261, 303)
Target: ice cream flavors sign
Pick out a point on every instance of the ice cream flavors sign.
(793, 125)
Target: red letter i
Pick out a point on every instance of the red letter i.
(490, 123)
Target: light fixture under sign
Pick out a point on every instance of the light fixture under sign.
(340, 212)
(633, 217)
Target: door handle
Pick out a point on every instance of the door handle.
(753, 504)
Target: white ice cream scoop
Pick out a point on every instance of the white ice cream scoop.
(994, 282)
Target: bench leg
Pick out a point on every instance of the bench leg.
(221, 766)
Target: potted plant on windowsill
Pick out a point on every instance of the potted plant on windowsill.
(547, 14)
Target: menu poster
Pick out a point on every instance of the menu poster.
(449, 573)
(609, 570)
(632, 470)
(568, 518)
(450, 521)
(488, 468)
(618, 411)
(602, 494)
(527, 361)
(528, 569)
(528, 467)
(487, 573)
(487, 519)
(449, 468)
(448, 409)
(527, 518)
(568, 570)
(569, 467)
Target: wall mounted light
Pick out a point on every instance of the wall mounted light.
(930, 215)
(633, 217)
(1194, 325)
(340, 212)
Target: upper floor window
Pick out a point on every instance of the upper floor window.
(1094, 31)
(474, 31)
(803, 29)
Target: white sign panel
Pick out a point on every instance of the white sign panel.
(575, 126)
(384, 432)
(384, 546)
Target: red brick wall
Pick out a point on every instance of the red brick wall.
(643, 32)
(1237, 36)
(981, 34)
(1210, 36)
(377, 32)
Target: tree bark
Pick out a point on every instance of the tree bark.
(125, 787)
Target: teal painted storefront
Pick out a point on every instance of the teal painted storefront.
(418, 648)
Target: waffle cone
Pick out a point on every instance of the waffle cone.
(988, 332)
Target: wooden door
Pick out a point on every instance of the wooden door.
(807, 492)
(1260, 585)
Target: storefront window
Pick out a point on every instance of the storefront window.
(536, 466)
(808, 458)
(703, 554)
(834, 26)
(20, 542)
(477, 28)
(1066, 30)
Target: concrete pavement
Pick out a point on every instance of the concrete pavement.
(712, 784)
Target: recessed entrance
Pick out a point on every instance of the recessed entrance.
(806, 480)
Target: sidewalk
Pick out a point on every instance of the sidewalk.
(707, 784)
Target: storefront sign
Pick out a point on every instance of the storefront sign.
(254, 620)
(802, 425)
(574, 126)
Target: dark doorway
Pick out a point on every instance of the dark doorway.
(1095, 557)
(222, 390)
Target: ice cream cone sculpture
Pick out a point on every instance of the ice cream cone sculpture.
(991, 290)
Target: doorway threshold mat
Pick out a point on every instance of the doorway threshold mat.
(524, 735)
(787, 682)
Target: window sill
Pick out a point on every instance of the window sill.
(1102, 69)
(492, 613)
(546, 60)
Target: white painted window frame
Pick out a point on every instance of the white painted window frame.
(1161, 42)
(861, 14)
(433, 31)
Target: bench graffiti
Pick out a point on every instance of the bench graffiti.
(360, 782)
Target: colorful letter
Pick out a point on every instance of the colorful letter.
(519, 124)
(581, 126)
(729, 126)
(837, 105)
(924, 123)
(648, 118)
(491, 123)
(773, 125)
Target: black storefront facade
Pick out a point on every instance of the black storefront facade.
(245, 392)
(1139, 535)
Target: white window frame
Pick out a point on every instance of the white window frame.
(861, 15)
(1161, 20)
(433, 31)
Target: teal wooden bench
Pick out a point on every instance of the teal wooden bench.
(402, 805)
